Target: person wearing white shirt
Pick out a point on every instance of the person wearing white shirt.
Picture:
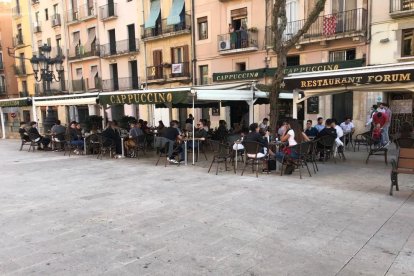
(348, 129)
(340, 133)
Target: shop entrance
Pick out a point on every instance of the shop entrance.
(342, 106)
(239, 114)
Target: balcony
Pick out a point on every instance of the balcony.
(2, 89)
(55, 20)
(352, 23)
(120, 84)
(108, 12)
(20, 70)
(1, 65)
(84, 51)
(401, 8)
(156, 72)
(122, 47)
(16, 12)
(237, 42)
(23, 94)
(56, 51)
(55, 88)
(84, 85)
(35, 2)
(180, 70)
(82, 13)
(37, 27)
(164, 30)
(18, 41)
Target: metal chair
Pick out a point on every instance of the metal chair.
(252, 150)
(30, 143)
(326, 146)
(301, 152)
(222, 153)
(105, 145)
(375, 149)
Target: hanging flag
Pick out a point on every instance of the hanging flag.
(329, 25)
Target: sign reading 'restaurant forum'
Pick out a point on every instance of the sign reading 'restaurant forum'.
(398, 76)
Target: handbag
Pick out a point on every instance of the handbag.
(287, 150)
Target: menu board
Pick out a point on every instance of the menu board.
(313, 105)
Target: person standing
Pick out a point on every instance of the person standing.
(386, 109)
(381, 119)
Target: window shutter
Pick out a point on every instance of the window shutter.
(239, 13)
(172, 55)
(157, 57)
(186, 57)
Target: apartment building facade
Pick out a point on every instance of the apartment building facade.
(234, 44)
(392, 43)
(167, 55)
(8, 83)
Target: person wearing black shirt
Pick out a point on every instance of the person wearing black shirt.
(39, 139)
(255, 136)
(172, 134)
(112, 136)
(310, 131)
(327, 131)
(23, 133)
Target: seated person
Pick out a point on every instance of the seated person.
(75, 140)
(39, 139)
(221, 132)
(293, 135)
(310, 131)
(172, 134)
(58, 131)
(112, 138)
(254, 136)
(134, 132)
(23, 132)
(348, 128)
(282, 129)
(339, 135)
(199, 132)
(376, 134)
(328, 130)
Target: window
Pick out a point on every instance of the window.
(407, 43)
(342, 55)
(49, 41)
(59, 45)
(179, 54)
(241, 66)
(2, 84)
(202, 28)
(239, 19)
(203, 74)
(55, 9)
(293, 60)
(46, 15)
(79, 73)
(24, 87)
(37, 18)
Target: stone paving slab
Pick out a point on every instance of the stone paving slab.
(80, 215)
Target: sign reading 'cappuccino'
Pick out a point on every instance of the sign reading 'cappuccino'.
(144, 98)
(398, 76)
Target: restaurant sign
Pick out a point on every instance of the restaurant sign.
(239, 75)
(15, 102)
(270, 72)
(144, 98)
(397, 76)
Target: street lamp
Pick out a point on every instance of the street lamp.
(43, 72)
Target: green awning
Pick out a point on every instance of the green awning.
(17, 102)
(173, 97)
(176, 9)
(154, 13)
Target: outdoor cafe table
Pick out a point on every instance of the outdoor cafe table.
(186, 139)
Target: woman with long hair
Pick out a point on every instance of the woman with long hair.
(293, 135)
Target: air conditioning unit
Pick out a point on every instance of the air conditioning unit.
(224, 45)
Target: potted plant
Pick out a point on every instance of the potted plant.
(253, 29)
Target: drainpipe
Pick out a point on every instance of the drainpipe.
(3, 129)
(193, 50)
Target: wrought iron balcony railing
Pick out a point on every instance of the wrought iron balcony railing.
(55, 88)
(16, 11)
(164, 28)
(238, 40)
(120, 47)
(120, 84)
(338, 25)
(180, 70)
(2, 89)
(20, 70)
(37, 27)
(401, 8)
(84, 51)
(81, 13)
(18, 41)
(155, 72)
(55, 20)
(1, 65)
(107, 12)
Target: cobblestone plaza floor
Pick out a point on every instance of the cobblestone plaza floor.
(78, 215)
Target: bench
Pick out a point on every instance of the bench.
(403, 164)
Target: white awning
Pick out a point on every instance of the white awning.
(72, 99)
